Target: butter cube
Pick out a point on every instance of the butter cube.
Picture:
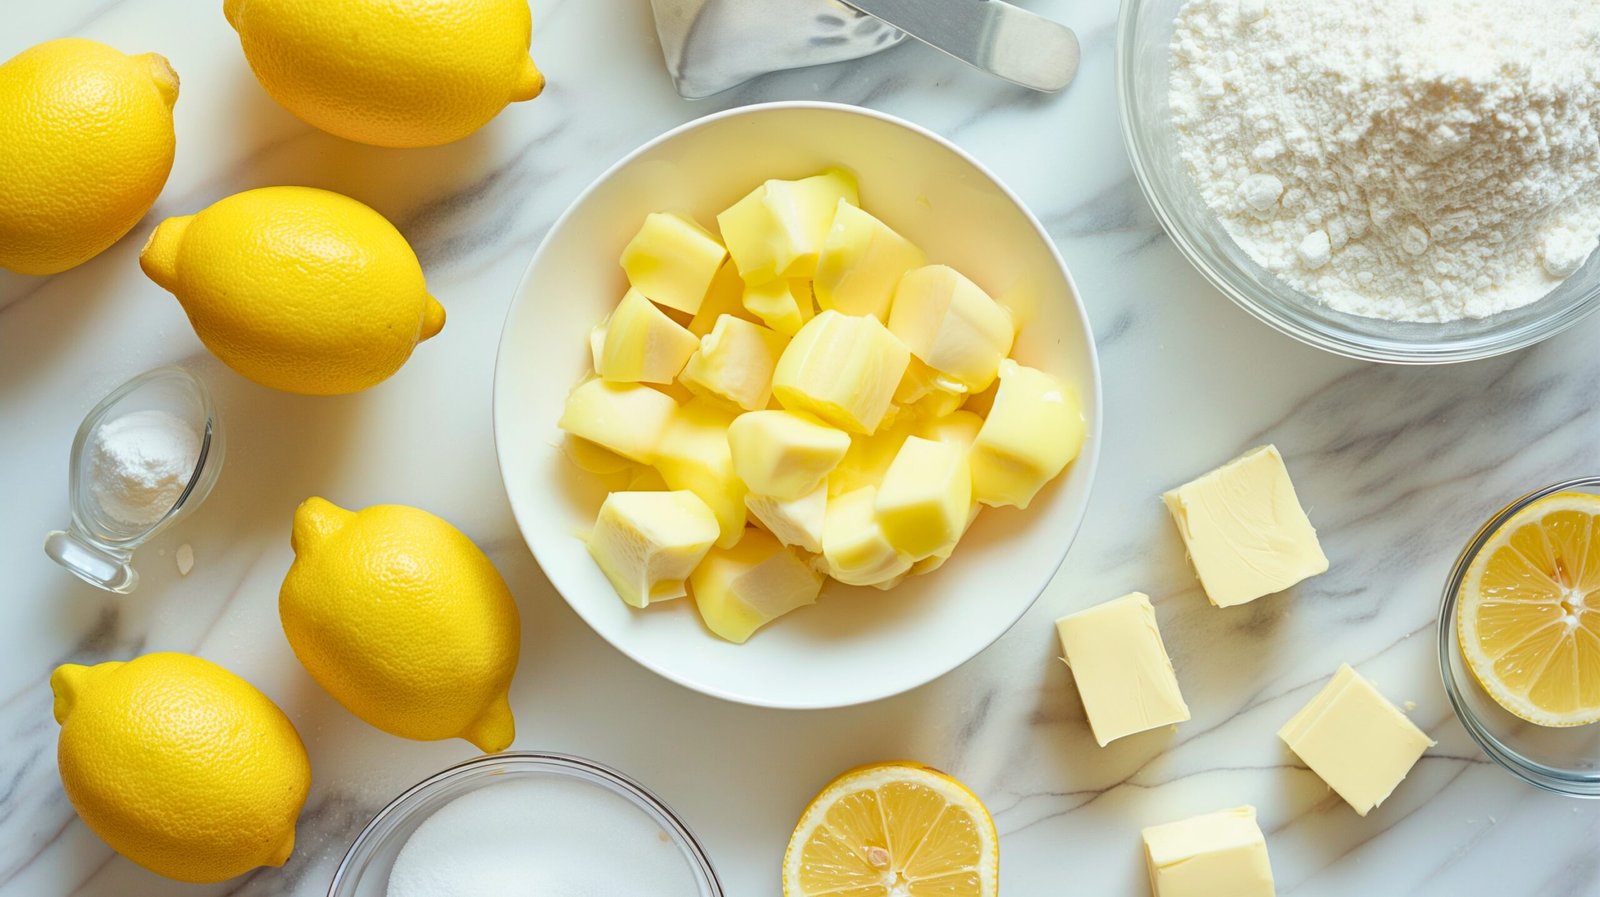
(925, 497)
(854, 546)
(936, 560)
(694, 455)
(795, 521)
(783, 305)
(726, 297)
(591, 457)
(952, 325)
(642, 344)
(647, 542)
(925, 392)
(861, 263)
(626, 418)
(735, 363)
(778, 229)
(1245, 530)
(1220, 854)
(1358, 742)
(740, 588)
(672, 261)
(869, 457)
(843, 369)
(1032, 433)
(597, 342)
(784, 454)
(958, 428)
(1121, 666)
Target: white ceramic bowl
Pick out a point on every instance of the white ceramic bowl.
(854, 645)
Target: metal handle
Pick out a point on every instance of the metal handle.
(992, 35)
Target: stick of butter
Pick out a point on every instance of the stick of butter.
(1358, 742)
(1220, 854)
(1121, 666)
(1245, 530)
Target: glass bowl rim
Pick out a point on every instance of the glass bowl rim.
(1338, 341)
(560, 764)
(1540, 775)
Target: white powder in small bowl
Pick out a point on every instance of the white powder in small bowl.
(139, 464)
(543, 837)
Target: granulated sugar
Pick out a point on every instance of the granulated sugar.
(540, 838)
(1415, 160)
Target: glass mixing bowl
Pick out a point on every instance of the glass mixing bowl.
(1566, 761)
(1143, 34)
(364, 871)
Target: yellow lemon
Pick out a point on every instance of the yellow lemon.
(179, 765)
(894, 830)
(395, 73)
(1529, 614)
(88, 146)
(402, 620)
(299, 289)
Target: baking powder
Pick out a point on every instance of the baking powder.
(1414, 160)
(140, 463)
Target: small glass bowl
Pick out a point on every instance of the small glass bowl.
(1563, 760)
(98, 548)
(364, 871)
(1144, 32)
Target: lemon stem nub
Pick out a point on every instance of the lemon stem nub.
(530, 82)
(165, 78)
(159, 257)
(432, 319)
(315, 520)
(495, 730)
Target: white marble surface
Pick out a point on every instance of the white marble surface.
(1397, 467)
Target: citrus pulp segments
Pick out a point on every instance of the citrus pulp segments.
(1529, 616)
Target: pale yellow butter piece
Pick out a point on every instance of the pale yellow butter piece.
(741, 588)
(591, 457)
(795, 521)
(646, 543)
(1220, 854)
(627, 418)
(1034, 430)
(694, 455)
(1358, 742)
(642, 344)
(952, 325)
(869, 457)
(778, 229)
(1245, 530)
(1121, 666)
(597, 342)
(854, 546)
(936, 560)
(783, 305)
(843, 369)
(735, 362)
(861, 263)
(784, 454)
(958, 427)
(725, 297)
(672, 261)
(925, 392)
(926, 494)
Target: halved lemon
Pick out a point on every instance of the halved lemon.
(893, 830)
(1530, 612)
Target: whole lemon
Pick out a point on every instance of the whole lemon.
(398, 73)
(402, 620)
(88, 146)
(299, 289)
(179, 765)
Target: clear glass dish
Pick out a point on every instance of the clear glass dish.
(1566, 761)
(364, 871)
(97, 547)
(1143, 34)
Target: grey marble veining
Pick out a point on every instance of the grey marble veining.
(1397, 467)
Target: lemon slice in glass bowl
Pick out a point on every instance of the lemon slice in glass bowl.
(1529, 620)
(893, 830)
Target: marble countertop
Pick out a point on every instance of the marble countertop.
(1396, 466)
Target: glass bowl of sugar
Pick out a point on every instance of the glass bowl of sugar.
(526, 823)
(1478, 208)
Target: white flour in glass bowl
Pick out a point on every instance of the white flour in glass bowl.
(1411, 160)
